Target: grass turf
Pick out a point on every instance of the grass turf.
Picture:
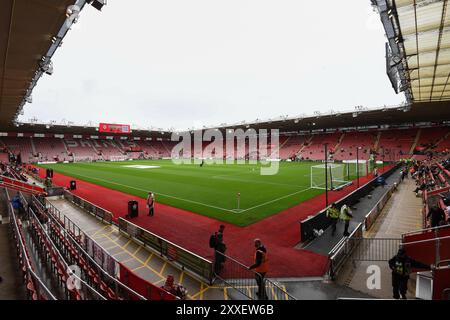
(210, 190)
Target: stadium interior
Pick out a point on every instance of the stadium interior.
(73, 199)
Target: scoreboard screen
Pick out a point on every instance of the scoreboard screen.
(114, 128)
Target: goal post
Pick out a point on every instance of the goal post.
(118, 158)
(354, 167)
(334, 177)
(83, 159)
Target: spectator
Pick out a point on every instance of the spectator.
(401, 266)
(175, 289)
(16, 203)
(219, 254)
(150, 204)
(261, 267)
(221, 230)
(436, 214)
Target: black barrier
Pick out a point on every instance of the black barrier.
(100, 213)
(320, 220)
(181, 257)
(55, 191)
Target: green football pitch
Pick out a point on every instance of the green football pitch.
(211, 190)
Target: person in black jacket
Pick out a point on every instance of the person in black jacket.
(401, 266)
(436, 215)
(219, 253)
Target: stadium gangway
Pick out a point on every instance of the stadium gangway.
(237, 276)
(10, 183)
(359, 248)
(69, 236)
(42, 292)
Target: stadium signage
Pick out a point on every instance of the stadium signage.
(114, 128)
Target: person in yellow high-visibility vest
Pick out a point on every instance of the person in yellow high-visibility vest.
(346, 216)
(261, 267)
(333, 214)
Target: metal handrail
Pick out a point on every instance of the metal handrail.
(73, 195)
(426, 240)
(57, 250)
(424, 230)
(254, 273)
(89, 257)
(25, 253)
(62, 258)
(169, 242)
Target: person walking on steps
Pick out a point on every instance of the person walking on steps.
(333, 215)
(346, 216)
(150, 204)
(260, 267)
(401, 266)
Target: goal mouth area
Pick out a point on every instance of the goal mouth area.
(329, 176)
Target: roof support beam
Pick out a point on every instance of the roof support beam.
(441, 29)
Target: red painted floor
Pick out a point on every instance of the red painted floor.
(279, 233)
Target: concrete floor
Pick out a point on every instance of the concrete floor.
(402, 213)
(150, 266)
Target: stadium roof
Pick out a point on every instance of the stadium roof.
(434, 112)
(30, 33)
(418, 50)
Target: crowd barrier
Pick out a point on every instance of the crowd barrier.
(100, 259)
(36, 288)
(181, 257)
(429, 245)
(237, 276)
(18, 185)
(373, 214)
(342, 250)
(98, 212)
(143, 287)
(321, 221)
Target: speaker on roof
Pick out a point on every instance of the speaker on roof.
(97, 4)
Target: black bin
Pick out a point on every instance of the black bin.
(73, 185)
(133, 208)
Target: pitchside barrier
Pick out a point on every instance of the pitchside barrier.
(98, 212)
(180, 257)
(320, 220)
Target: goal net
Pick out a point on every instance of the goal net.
(118, 158)
(83, 159)
(354, 168)
(331, 174)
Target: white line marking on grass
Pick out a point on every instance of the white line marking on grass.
(259, 182)
(196, 202)
(277, 199)
(162, 194)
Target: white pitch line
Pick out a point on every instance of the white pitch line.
(277, 199)
(196, 202)
(162, 194)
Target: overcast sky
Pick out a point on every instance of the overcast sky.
(189, 63)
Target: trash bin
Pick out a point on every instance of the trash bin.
(133, 208)
(73, 185)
